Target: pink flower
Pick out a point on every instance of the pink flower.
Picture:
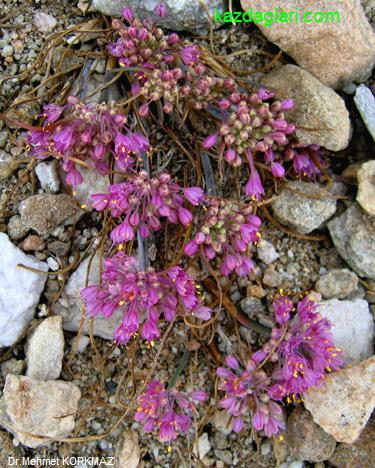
(161, 10)
(128, 15)
(210, 141)
(189, 54)
(144, 297)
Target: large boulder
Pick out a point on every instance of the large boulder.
(337, 51)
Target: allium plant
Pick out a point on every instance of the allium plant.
(225, 233)
(143, 297)
(246, 391)
(143, 201)
(167, 411)
(78, 131)
(305, 352)
(300, 353)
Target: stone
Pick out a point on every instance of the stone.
(306, 440)
(338, 283)
(293, 464)
(70, 307)
(222, 421)
(20, 290)
(12, 366)
(366, 186)
(353, 234)
(45, 350)
(272, 278)
(365, 102)
(32, 243)
(266, 252)
(352, 327)
(252, 306)
(47, 175)
(319, 114)
(295, 209)
(349, 43)
(44, 212)
(44, 23)
(128, 452)
(8, 164)
(92, 183)
(343, 407)
(59, 248)
(202, 446)
(8, 452)
(183, 15)
(224, 455)
(80, 344)
(16, 229)
(361, 454)
(41, 408)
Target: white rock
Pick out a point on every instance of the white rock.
(203, 446)
(365, 102)
(44, 409)
(45, 350)
(266, 252)
(222, 421)
(353, 327)
(343, 407)
(47, 175)
(128, 452)
(293, 464)
(366, 186)
(82, 343)
(20, 290)
(70, 306)
(44, 23)
(92, 183)
(53, 264)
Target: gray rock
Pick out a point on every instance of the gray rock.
(252, 306)
(365, 102)
(353, 234)
(306, 440)
(12, 366)
(338, 283)
(70, 307)
(92, 183)
(343, 407)
(8, 450)
(128, 452)
(16, 229)
(366, 186)
(47, 175)
(8, 164)
(266, 252)
(20, 290)
(202, 446)
(45, 350)
(347, 41)
(42, 408)
(352, 327)
(44, 212)
(319, 114)
(300, 212)
(183, 15)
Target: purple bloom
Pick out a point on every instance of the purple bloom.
(161, 10)
(254, 187)
(143, 297)
(305, 349)
(142, 201)
(189, 54)
(246, 393)
(210, 141)
(128, 15)
(167, 411)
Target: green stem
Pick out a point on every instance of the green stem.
(181, 366)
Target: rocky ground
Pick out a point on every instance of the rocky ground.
(62, 380)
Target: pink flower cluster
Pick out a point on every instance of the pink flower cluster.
(88, 134)
(142, 296)
(305, 350)
(168, 411)
(246, 389)
(256, 125)
(142, 201)
(301, 351)
(225, 233)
